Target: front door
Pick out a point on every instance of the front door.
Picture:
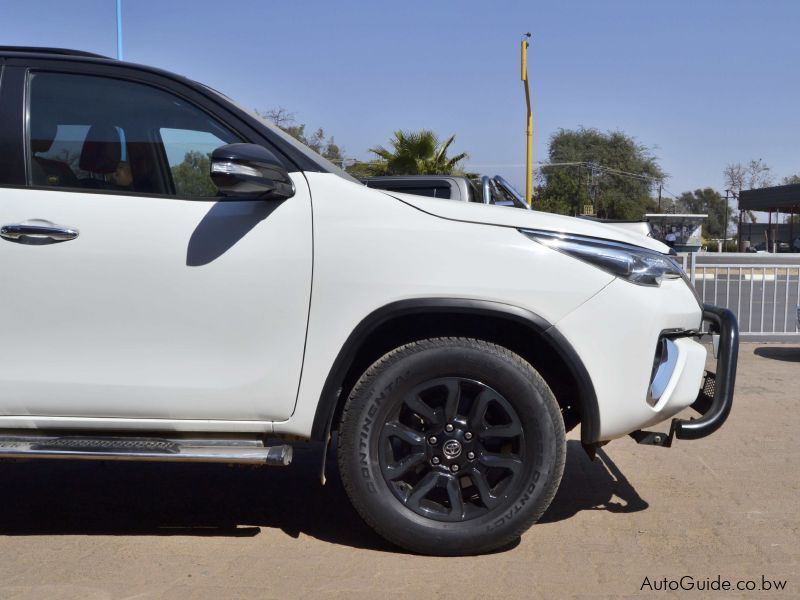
(151, 299)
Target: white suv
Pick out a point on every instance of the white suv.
(184, 282)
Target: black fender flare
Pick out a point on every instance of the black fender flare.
(329, 397)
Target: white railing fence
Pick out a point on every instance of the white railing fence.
(762, 291)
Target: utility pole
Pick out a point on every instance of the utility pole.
(659, 196)
(725, 231)
(593, 174)
(529, 127)
(119, 29)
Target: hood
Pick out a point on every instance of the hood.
(505, 216)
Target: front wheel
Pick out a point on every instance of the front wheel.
(451, 446)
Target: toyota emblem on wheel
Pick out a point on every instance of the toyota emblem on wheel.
(452, 449)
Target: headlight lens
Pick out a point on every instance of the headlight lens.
(628, 262)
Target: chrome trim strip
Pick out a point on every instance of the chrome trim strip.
(38, 229)
(586, 239)
(664, 371)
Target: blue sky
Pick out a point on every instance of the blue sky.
(704, 82)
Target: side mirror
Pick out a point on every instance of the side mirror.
(250, 171)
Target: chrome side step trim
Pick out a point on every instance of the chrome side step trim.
(74, 447)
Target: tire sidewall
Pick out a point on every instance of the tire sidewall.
(522, 504)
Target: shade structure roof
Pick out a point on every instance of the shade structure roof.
(780, 197)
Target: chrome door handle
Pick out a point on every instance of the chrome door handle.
(38, 229)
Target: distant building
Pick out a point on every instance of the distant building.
(781, 200)
(681, 232)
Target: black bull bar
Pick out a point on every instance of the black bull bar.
(715, 398)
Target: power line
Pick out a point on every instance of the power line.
(605, 169)
(650, 178)
(670, 193)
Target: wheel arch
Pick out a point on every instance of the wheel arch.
(518, 329)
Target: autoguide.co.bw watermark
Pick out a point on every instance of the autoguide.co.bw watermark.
(715, 584)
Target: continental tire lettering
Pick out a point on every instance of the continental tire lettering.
(366, 429)
(509, 514)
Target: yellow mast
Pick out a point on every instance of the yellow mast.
(529, 129)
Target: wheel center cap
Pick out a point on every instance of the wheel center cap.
(452, 449)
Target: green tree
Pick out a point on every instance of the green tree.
(192, 177)
(790, 180)
(564, 191)
(360, 169)
(317, 141)
(711, 202)
(417, 153)
(611, 171)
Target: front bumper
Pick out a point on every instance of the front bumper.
(716, 396)
(616, 334)
(715, 399)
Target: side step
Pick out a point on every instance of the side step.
(240, 451)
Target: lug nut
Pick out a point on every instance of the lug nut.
(471, 455)
(468, 436)
(448, 427)
(432, 439)
(454, 468)
(435, 460)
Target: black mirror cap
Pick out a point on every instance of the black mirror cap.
(250, 171)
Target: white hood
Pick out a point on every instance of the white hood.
(506, 216)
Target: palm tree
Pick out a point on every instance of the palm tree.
(417, 153)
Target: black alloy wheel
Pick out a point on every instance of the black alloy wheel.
(453, 449)
(451, 446)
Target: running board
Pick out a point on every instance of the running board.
(241, 451)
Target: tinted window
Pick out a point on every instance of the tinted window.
(474, 191)
(435, 191)
(188, 155)
(108, 134)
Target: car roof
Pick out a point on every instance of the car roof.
(67, 54)
(71, 55)
(57, 51)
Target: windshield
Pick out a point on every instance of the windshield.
(324, 164)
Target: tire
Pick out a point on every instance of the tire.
(492, 467)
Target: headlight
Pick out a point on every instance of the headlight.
(631, 263)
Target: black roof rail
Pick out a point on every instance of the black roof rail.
(39, 50)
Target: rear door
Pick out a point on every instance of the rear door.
(153, 299)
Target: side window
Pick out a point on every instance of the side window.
(188, 153)
(433, 190)
(89, 132)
